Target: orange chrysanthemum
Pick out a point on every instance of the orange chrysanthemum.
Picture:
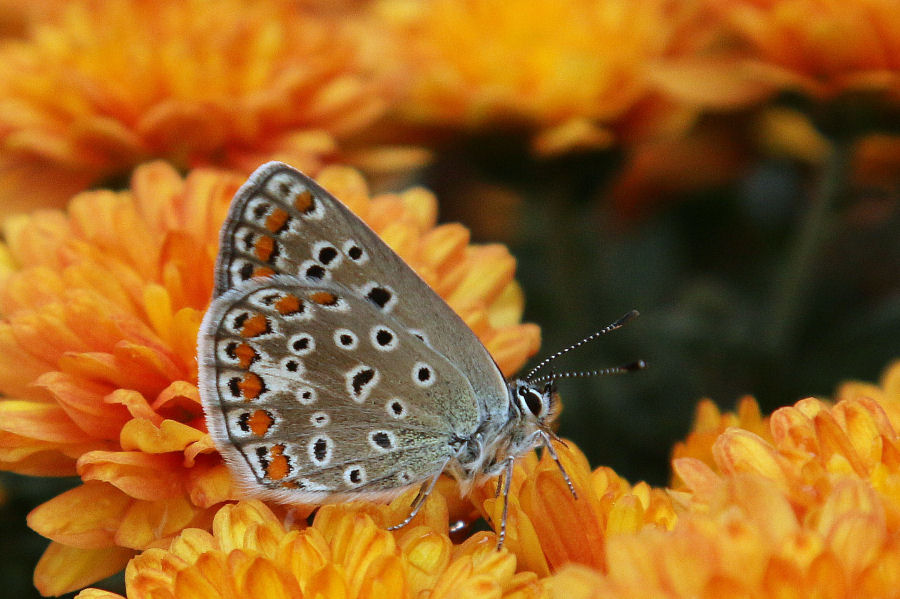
(576, 71)
(710, 423)
(100, 308)
(250, 553)
(813, 512)
(548, 527)
(16, 18)
(748, 542)
(818, 47)
(111, 84)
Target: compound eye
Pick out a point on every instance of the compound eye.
(531, 399)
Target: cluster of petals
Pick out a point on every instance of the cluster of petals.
(250, 552)
(103, 86)
(809, 510)
(99, 311)
(818, 48)
(496, 64)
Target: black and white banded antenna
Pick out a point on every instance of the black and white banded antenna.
(638, 365)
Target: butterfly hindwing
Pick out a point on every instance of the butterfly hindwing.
(282, 222)
(314, 394)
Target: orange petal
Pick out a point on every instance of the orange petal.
(793, 431)
(64, 569)
(262, 580)
(86, 516)
(698, 477)
(328, 582)
(385, 577)
(738, 450)
(143, 435)
(83, 402)
(427, 554)
(147, 523)
(568, 528)
(142, 476)
(575, 581)
(134, 402)
(512, 346)
(835, 447)
(208, 577)
(208, 486)
(97, 594)
(491, 269)
(765, 506)
(40, 420)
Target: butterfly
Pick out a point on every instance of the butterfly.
(330, 371)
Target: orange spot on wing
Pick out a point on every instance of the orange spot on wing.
(245, 355)
(289, 304)
(262, 271)
(260, 422)
(278, 466)
(304, 201)
(251, 386)
(323, 298)
(264, 247)
(276, 220)
(255, 325)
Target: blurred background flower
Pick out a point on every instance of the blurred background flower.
(729, 167)
(484, 64)
(86, 96)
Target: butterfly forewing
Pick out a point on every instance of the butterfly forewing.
(281, 222)
(317, 395)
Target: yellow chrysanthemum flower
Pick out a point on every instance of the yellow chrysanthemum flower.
(575, 71)
(809, 446)
(812, 512)
(710, 423)
(250, 553)
(100, 309)
(549, 527)
(233, 83)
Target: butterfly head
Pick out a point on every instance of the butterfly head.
(538, 404)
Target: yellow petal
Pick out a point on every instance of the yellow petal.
(63, 569)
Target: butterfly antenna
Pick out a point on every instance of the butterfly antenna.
(639, 365)
(608, 328)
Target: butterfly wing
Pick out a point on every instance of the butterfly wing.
(282, 222)
(314, 394)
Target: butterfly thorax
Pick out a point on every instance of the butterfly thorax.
(504, 435)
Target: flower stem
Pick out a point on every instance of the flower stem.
(796, 280)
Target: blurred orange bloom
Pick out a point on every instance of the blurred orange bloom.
(100, 309)
(575, 72)
(16, 18)
(250, 553)
(820, 48)
(233, 83)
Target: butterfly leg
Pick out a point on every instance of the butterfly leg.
(506, 485)
(549, 445)
(424, 491)
(499, 486)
